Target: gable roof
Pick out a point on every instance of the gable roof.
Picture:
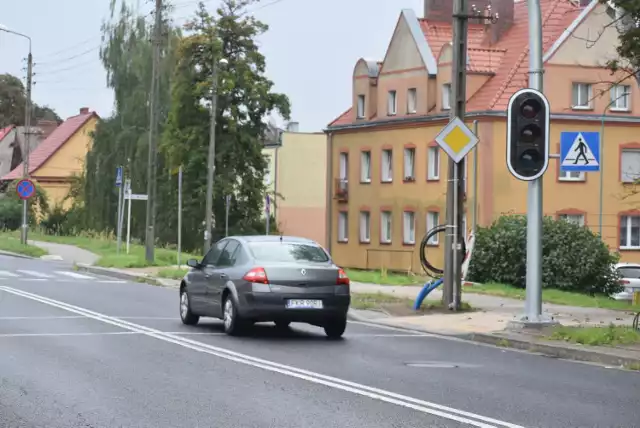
(52, 144)
(506, 60)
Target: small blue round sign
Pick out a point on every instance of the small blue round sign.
(25, 189)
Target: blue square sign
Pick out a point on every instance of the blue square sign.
(580, 151)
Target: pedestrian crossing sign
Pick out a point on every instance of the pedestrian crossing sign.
(580, 151)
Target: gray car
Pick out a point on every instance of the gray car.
(283, 279)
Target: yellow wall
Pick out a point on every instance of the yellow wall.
(64, 164)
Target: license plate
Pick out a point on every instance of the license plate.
(304, 304)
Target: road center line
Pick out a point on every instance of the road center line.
(336, 383)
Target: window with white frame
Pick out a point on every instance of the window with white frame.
(361, 107)
(412, 100)
(620, 97)
(409, 227)
(409, 163)
(365, 226)
(343, 226)
(387, 166)
(433, 220)
(385, 227)
(365, 167)
(344, 166)
(571, 176)
(629, 166)
(446, 96)
(630, 232)
(392, 103)
(433, 167)
(573, 218)
(581, 98)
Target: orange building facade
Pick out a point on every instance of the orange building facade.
(388, 182)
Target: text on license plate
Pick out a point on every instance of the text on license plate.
(304, 304)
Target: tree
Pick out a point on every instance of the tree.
(122, 139)
(245, 99)
(626, 16)
(13, 102)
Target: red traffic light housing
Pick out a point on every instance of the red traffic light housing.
(528, 118)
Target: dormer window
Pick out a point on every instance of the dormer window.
(392, 103)
(412, 100)
(360, 107)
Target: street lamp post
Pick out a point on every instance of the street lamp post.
(601, 202)
(27, 132)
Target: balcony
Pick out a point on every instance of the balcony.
(341, 190)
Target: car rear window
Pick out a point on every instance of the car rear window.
(287, 252)
(629, 272)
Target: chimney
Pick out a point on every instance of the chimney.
(504, 10)
(293, 126)
(84, 110)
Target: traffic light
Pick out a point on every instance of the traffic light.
(528, 134)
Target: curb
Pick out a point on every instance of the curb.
(547, 349)
(20, 256)
(124, 275)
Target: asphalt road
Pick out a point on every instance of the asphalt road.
(77, 350)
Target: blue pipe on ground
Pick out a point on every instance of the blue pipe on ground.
(428, 288)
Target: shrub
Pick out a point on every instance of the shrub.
(573, 257)
(55, 222)
(10, 214)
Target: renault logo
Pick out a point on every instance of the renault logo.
(303, 272)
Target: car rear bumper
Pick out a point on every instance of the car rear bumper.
(272, 307)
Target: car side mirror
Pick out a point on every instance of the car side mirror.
(193, 263)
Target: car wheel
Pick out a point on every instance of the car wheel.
(335, 328)
(186, 315)
(233, 324)
(282, 324)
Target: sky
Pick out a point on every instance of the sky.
(311, 49)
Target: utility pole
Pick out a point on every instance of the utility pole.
(455, 191)
(27, 145)
(211, 158)
(153, 139)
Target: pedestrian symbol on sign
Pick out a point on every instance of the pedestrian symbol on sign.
(579, 151)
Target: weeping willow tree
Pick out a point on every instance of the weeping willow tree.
(123, 139)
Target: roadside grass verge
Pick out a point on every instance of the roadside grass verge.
(557, 297)
(597, 336)
(398, 306)
(172, 273)
(384, 277)
(12, 244)
(105, 246)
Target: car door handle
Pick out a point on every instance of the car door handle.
(223, 275)
(207, 275)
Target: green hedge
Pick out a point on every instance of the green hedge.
(573, 257)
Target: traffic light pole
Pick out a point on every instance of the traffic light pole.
(533, 303)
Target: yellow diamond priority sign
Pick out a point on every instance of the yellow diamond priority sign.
(456, 139)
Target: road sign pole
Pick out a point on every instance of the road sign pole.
(179, 216)
(268, 213)
(127, 194)
(226, 215)
(119, 213)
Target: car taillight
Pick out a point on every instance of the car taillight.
(343, 279)
(256, 275)
(624, 282)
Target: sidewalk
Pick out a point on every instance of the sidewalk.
(67, 253)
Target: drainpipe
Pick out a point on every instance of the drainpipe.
(474, 219)
(329, 196)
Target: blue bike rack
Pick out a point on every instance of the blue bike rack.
(428, 288)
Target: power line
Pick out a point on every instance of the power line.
(88, 51)
(72, 47)
(71, 67)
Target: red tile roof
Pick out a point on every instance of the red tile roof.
(507, 60)
(52, 144)
(5, 131)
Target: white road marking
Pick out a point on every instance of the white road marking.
(71, 317)
(73, 275)
(388, 335)
(336, 383)
(8, 274)
(110, 333)
(33, 279)
(112, 281)
(34, 273)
